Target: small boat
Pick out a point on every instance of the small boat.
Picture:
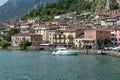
(64, 51)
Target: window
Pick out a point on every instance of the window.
(76, 40)
(101, 32)
(112, 38)
(115, 39)
(112, 34)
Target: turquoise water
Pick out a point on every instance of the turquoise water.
(41, 65)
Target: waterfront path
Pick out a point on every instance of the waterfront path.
(100, 52)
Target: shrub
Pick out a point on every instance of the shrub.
(24, 44)
(4, 44)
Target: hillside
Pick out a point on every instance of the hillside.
(16, 8)
(47, 12)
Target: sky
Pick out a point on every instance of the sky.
(2, 2)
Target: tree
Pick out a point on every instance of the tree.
(93, 6)
(106, 41)
(14, 31)
(100, 43)
(24, 44)
(10, 33)
(4, 44)
(7, 37)
(47, 12)
(114, 6)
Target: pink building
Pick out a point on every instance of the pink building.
(117, 36)
(92, 36)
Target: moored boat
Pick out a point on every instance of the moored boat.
(64, 51)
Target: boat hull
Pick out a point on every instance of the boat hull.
(62, 53)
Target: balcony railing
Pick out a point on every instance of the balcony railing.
(59, 37)
(89, 43)
(59, 43)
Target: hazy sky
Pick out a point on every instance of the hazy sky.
(2, 2)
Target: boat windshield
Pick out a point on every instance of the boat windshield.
(60, 49)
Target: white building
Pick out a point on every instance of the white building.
(113, 38)
(64, 26)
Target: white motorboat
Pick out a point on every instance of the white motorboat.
(64, 51)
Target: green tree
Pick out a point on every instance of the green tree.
(47, 12)
(10, 33)
(106, 41)
(24, 44)
(100, 43)
(93, 6)
(114, 6)
(14, 31)
(4, 44)
(7, 37)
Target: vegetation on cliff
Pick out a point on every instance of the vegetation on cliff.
(12, 32)
(47, 12)
(114, 6)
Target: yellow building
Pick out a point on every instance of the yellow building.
(64, 38)
(44, 31)
(51, 34)
(79, 42)
(70, 35)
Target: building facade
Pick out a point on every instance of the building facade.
(93, 35)
(44, 31)
(35, 39)
(51, 34)
(79, 42)
(64, 38)
(117, 36)
(114, 40)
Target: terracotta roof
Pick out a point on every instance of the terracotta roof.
(98, 29)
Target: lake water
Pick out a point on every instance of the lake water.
(41, 65)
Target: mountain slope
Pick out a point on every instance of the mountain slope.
(17, 8)
(47, 13)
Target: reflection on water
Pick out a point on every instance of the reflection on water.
(41, 65)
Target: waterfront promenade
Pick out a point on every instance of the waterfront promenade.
(97, 52)
(87, 51)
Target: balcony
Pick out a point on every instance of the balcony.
(89, 44)
(60, 37)
(70, 37)
(70, 42)
(59, 43)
